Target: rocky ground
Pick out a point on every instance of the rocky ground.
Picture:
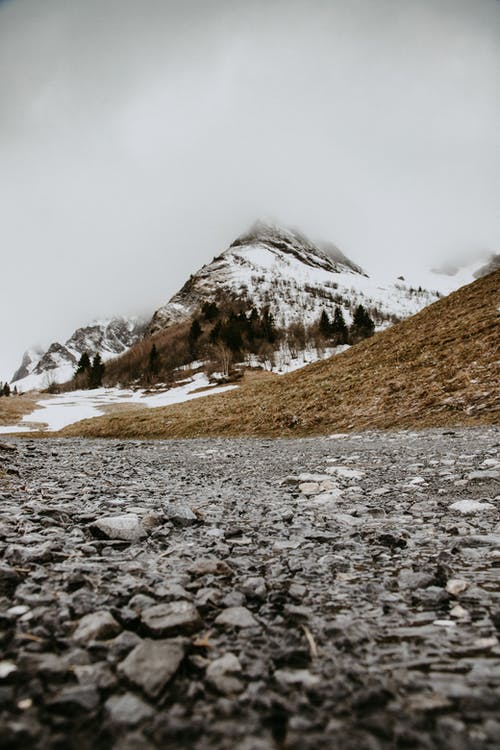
(251, 595)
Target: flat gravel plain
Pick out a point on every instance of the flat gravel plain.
(251, 594)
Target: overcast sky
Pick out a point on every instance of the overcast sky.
(139, 138)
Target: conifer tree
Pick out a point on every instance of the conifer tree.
(6, 389)
(362, 325)
(154, 360)
(231, 333)
(194, 334)
(253, 325)
(83, 364)
(96, 372)
(339, 331)
(324, 325)
(1, 389)
(210, 311)
(268, 326)
(215, 332)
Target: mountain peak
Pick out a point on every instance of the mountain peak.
(293, 241)
(279, 268)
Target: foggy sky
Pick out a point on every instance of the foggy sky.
(138, 139)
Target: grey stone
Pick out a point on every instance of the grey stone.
(227, 664)
(73, 700)
(210, 567)
(180, 515)
(128, 709)
(471, 507)
(152, 664)
(98, 675)
(96, 626)
(409, 579)
(221, 674)
(236, 617)
(296, 677)
(171, 618)
(125, 527)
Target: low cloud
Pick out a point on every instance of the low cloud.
(138, 139)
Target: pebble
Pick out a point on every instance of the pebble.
(456, 586)
(296, 677)
(470, 507)
(172, 618)
(236, 617)
(7, 668)
(126, 527)
(96, 626)
(152, 664)
(128, 709)
(180, 515)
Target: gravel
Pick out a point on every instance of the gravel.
(251, 595)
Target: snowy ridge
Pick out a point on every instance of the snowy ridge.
(295, 277)
(108, 338)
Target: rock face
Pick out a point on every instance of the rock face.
(109, 338)
(362, 613)
(295, 277)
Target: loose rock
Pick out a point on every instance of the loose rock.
(152, 664)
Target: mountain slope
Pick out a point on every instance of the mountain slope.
(109, 338)
(437, 368)
(295, 277)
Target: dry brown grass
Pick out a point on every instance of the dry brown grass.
(172, 349)
(438, 368)
(13, 408)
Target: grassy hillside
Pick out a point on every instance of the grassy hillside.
(438, 368)
(14, 408)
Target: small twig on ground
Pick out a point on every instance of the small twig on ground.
(313, 649)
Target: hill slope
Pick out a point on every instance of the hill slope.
(438, 368)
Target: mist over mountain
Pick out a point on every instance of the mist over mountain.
(136, 138)
(271, 269)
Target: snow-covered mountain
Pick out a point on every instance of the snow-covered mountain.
(269, 266)
(296, 278)
(109, 338)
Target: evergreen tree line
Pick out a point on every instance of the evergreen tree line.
(243, 331)
(89, 373)
(5, 390)
(337, 332)
(221, 331)
(227, 334)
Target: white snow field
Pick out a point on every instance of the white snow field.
(58, 411)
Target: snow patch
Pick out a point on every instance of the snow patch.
(62, 410)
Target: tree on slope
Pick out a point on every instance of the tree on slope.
(210, 311)
(339, 331)
(362, 325)
(325, 325)
(268, 326)
(96, 372)
(154, 361)
(194, 334)
(83, 364)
